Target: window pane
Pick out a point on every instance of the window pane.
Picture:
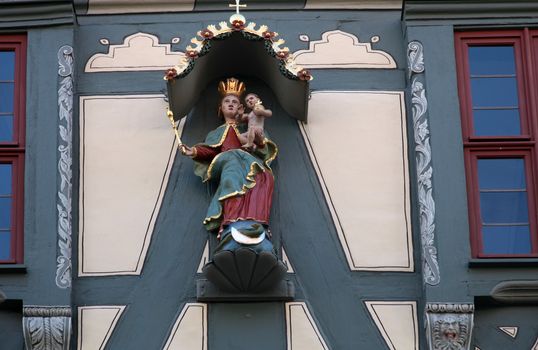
(492, 60)
(6, 97)
(7, 65)
(506, 173)
(5, 213)
(6, 128)
(494, 92)
(496, 122)
(5, 245)
(5, 179)
(506, 240)
(504, 207)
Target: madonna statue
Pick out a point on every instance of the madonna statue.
(240, 207)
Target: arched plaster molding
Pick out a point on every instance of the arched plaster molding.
(190, 329)
(138, 52)
(338, 49)
(96, 324)
(397, 322)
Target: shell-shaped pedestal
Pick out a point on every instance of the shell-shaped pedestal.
(245, 270)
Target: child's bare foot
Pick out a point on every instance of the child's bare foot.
(249, 147)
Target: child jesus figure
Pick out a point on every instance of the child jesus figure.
(255, 120)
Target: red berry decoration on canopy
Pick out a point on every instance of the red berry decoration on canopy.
(282, 55)
(304, 75)
(238, 25)
(268, 35)
(191, 54)
(170, 74)
(207, 34)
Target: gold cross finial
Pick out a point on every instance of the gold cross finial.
(237, 6)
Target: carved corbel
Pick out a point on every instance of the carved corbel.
(46, 327)
(449, 326)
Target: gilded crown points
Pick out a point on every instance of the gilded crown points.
(232, 86)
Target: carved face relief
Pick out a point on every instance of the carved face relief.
(449, 334)
(251, 100)
(230, 105)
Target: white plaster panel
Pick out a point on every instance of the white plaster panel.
(397, 323)
(358, 145)
(190, 329)
(286, 261)
(96, 324)
(338, 49)
(138, 52)
(204, 259)
(354, 4)
(511, 331)
(133, 6)
(127, 149)
(302, 332)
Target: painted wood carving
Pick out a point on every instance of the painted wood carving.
(236, 157)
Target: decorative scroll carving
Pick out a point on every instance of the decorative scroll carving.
(65, 125)
(416, 57)
(449, 326)
(424, 166)
(46, 328)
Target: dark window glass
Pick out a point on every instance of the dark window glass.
(12, 78)
(7, 65)
(506, 240)
(494, 92)
(5, 213)
(499, 122)
(5, 245)
(504, 207)
(6, 127)
(5, 179)
(502, 173)
(6, 97)
(5, 196)
(492, 60)
(503, 193)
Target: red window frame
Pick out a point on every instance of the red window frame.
(13, 152)
(507, 146)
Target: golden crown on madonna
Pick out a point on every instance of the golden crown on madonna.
(232, 86)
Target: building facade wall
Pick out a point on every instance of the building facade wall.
(352, 206)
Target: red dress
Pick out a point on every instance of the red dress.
(255, 204)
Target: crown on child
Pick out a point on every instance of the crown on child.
(232, 86)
